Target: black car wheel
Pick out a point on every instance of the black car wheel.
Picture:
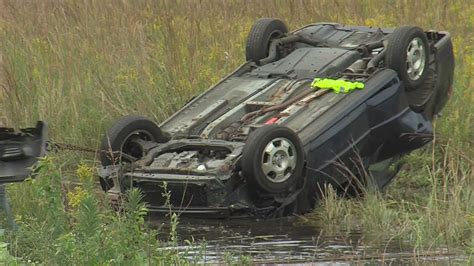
(260, 36)
(421, 99)
(273, 159)
(120, 142)
(407, 52)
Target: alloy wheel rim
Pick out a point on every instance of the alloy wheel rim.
(416, 58)
(279, 160)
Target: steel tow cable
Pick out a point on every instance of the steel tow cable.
(52, 146)
(56, 146)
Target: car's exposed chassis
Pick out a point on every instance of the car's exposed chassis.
(263, 142)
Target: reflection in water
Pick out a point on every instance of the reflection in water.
(287, 241)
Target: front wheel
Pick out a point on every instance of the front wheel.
(122, 141)
(273, 159)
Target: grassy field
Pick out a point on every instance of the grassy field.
(81, 64)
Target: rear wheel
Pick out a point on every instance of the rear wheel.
(445, 74)
(407, 52)
(422, 98)
(273, 159)
(260, 36)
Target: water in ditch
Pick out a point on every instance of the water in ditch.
(289, 241)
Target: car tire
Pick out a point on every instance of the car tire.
(273, 159)
(262, 33)
(118, 137)
(407, 52)
(422, 98)
(445, 74)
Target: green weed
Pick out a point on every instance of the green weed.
(81, 64)
(77, 227)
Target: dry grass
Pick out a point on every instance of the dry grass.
(81, 64)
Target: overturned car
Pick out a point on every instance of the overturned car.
(265, 139)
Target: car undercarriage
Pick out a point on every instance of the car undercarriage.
(265, 140)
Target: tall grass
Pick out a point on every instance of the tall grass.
(430, 204)
(81, 64)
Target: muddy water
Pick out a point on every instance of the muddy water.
(288, 241)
